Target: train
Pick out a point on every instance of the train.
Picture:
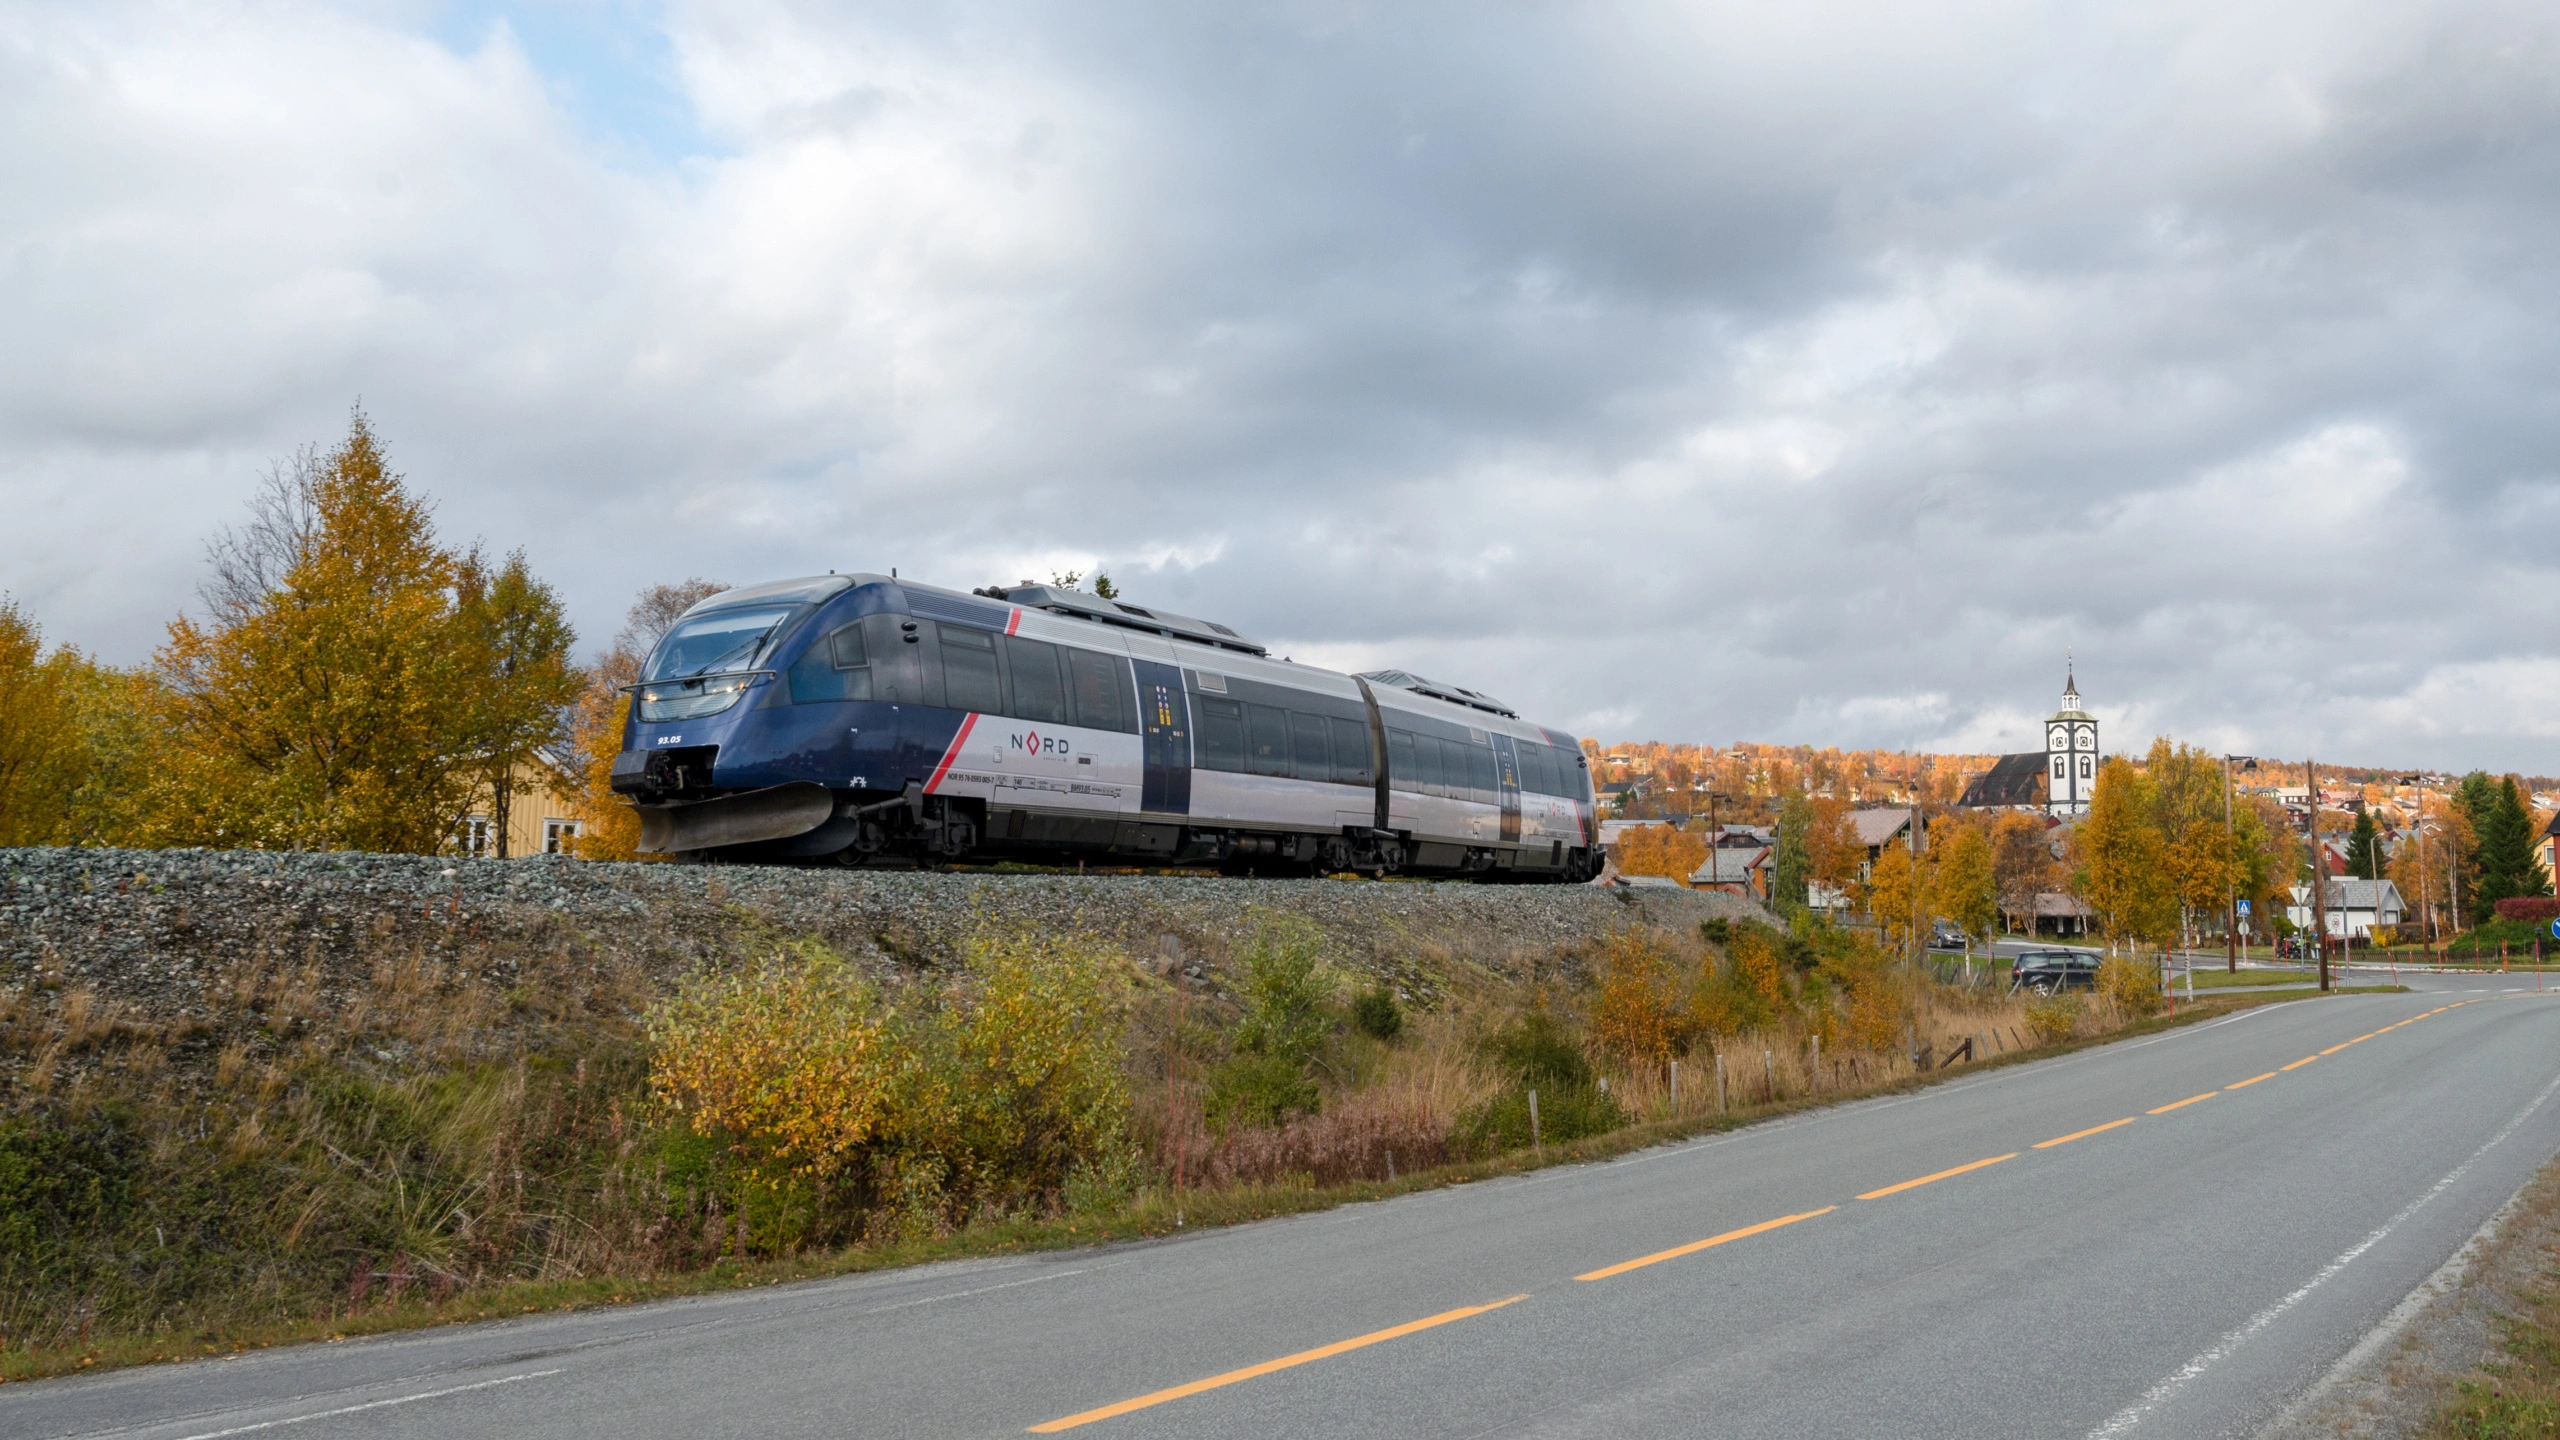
(861, 720)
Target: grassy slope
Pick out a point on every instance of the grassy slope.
(575, 1099)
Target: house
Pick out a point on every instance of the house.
(1880, 827)
(542, 815)
(2061, 914)
(2543, 848)
(1735, 871)
(2355, 907)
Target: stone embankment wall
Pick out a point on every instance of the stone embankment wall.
(194, 943)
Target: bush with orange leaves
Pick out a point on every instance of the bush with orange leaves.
(1637, 1014)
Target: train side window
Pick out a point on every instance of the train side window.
(1220, 725)
(1480, 775)
(1307, 742)
(1351, 758)
(1537, 772)
(1267, 728)
(847, 647)
(1400, 762)
(1429, 773)
(1095, 690)
(969, 676)
(1038, 692)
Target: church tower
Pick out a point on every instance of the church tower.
(2071, 754)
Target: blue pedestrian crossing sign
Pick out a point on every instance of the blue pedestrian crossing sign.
(2555, 925)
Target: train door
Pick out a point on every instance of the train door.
(1164, 714)
(1506, 767)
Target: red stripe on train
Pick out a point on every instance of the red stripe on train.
(1014, 622)
(967, 723)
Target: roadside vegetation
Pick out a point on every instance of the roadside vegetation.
(279, 1169)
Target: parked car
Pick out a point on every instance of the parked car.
(2048, 971)
(1946, 935)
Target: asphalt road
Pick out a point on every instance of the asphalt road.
(2172, 1236)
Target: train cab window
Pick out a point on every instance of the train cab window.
(1480, 777)
(1218, 728)
(1351, 753)
(1267, 736)
(836, 667)
(969, 677)
(1307, 743)
(1400, 762)
(1097, 686)
(1039, 692)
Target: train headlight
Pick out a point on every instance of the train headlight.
(693, 698)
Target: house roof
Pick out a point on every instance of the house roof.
(2013, 780)
(1874, 827)
(1729, 867)
(2353, 895)
(2053, 904)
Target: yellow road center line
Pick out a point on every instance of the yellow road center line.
(2252, 1080)
(1695, 1246)
(2190, 1100)
(1941, 1175)
(2079, 1134)
(2369, 1034)
(2334, 1049)
(2298, 1064)
(1323, 1352)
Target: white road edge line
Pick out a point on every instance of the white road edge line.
(369, 1405)
(2448, 1278)
(2124, 1421)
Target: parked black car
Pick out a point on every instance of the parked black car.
(2046, 971)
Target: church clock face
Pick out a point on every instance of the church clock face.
(2088, 738)
(2059, 738)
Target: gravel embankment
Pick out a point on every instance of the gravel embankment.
(169, 935)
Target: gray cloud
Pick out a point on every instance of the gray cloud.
(1674, 371)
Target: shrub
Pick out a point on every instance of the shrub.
(2531, 909)
(2052, 1018)
(1377, 1014)
(1251, 1091)
(1565, 1112)
(1637, 1014)
(1283, 999)
(989, 1096)
(2131, 985)
(1537, 1051)
(1717, 930)
(794, 1063)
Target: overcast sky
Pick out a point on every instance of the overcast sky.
(1804, 372)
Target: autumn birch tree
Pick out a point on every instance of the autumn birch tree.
(2123, 861)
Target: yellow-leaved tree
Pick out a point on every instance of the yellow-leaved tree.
(2021, 865)
(336, 695)
(604, 704)
(518, 643)
(44, 757)
(2124, 871)
(1967, 890)
(1894, 897)
(1659, 850)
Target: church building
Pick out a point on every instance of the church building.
(2057, 779)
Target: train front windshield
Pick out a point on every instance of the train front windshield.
(707, 662)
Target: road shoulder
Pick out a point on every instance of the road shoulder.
(2401, 1377)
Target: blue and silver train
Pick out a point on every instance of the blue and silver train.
(861, 719)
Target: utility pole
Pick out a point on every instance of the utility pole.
(2418, 830)
(2230, 880)
(2319, 872)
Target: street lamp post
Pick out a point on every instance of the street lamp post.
(2319, 872)
(2418, 832)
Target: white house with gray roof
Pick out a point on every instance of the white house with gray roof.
(2355, 907)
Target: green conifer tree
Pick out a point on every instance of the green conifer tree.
(2507, 865)
(2364, 849)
